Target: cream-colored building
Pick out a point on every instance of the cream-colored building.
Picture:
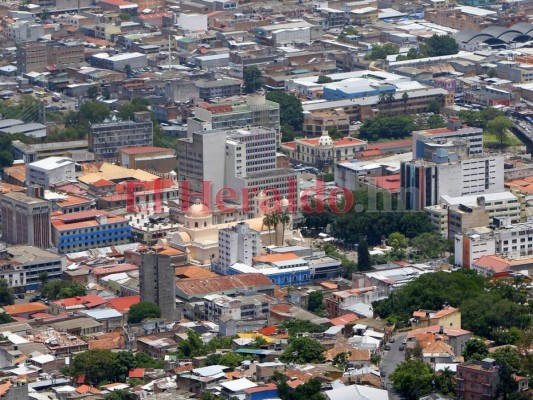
(199, 235)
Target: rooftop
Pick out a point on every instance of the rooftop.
(51, 163)
(201, 287)
(143, 150)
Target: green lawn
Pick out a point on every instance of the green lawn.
(490, 140)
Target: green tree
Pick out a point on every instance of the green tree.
(43, 277)
(92, 92)
(492, 72)
(193, 346)
(232, 360)
(397, 241)
(213, 359)
(509, 356)
(507, 385)
(316, 301)
(383, 127)
(119, 395)
(324, 79)
(6, 159)
(5, 318)
(6, 294)
(499, 127)
(434, 107)
(252, 79)
(405, 101)
(93, 112)
(303, 350)
(440, 45)
(301, 326)
(334, 133)
(140, 311)
(475, 349)
(287, 133)
(106, 94)
(128, 70)
(430, 245)
(290, 109)
(380, 52)
(364, 261)
(435, 121)
(54, 290)
(413, 379)
(95, 365)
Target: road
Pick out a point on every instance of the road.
(389, 361)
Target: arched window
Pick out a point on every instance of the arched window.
(196, 224)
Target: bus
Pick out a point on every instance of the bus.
(40, 95)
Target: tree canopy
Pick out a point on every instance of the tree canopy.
(413, 379)
(468, 291)
(381, 51)
(59, 289)
(475, 349)
(302, 350)
(6, 294)
(252, 79)
(100, 365)
(324, 79)
(290, 109)
(364, 262)
(440, 45)
(316, 301)
(143, 310)
(383, 127)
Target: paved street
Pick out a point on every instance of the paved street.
(389, 361)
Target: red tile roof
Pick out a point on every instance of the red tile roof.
(192, 287)
(268, 386)
(344, 319)
(391, 183)
(123, 304)
(494, 263)
(26, 308)
(268, 330)
(102, 183)
(102, 271)
(87, 301)
(136, 373)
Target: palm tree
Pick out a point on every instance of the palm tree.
(284, 219)
(382, 98)
(405, 99)
(269, 221)
(389, 97)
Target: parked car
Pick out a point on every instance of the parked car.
(392, 340)
(386, 347)
(402, 348)
(404, 342)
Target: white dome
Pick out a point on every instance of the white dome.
(325, 139)
(198, 210)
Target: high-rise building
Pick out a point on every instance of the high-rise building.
(450, 169)
(38, 56)
(26, 219)
(254, 110)
(242, 160)
(158, 280)
(107, 138)
(238, 244)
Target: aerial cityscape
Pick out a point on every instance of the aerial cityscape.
(266, 200)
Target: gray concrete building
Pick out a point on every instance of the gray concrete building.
(25, 219)
(158, 281)
(107, 138)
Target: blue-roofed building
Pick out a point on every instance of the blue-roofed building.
(355, 88)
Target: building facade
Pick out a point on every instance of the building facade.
(477, 380)
(158, 281)
(87, 230)
(49, 171)
(237, 244)
(37, 56)
(25, 219)
(107, 138)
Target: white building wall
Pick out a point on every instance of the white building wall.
(193, 22)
